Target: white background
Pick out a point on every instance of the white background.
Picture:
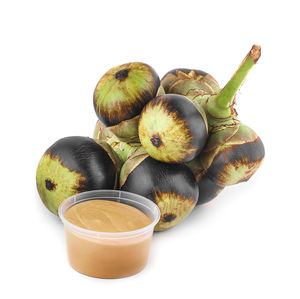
(245, 243)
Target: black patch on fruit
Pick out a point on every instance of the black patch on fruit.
(251, 151)
(50, 185)
(208, 190)
(156, 141)
(169, 217)
(184, 70)
(151, 177)
(121, 75)
(83, 155)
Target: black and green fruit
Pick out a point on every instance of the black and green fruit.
(123, 91)
(235, 160)
(184, 81)
(231, 156)
(173, 128)
(171, 186)
(72, 165)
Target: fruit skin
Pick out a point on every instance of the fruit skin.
(171, 186)
(236, 160)
(72, 165)
(172, 128)
(208, 190)
(123, 91)
(127, 130)
(183, 80)
(232, 155)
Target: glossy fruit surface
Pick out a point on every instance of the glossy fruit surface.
(123, 91)
(171, 186)
(172, 128)
(236, 160)
(231, 156)
(72, 165)
(208, 190)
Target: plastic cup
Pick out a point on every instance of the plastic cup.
(109, 255)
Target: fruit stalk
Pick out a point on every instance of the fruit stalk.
(220, 106)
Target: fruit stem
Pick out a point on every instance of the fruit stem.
(220, 104)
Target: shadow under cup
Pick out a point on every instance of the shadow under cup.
(109, 255)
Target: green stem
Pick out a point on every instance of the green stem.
(219, 106)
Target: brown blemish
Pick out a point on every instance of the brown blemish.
(50, 185)
(156, 141)
(168, 217)
(121, 75)
(255, 53)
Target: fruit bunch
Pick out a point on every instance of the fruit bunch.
(176, 141)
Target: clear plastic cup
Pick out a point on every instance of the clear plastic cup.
(109, 255)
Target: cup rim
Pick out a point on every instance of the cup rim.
(88, 195)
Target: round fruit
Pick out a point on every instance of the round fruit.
(172, 128)
(123, 91)
(236, 160)
(72, 165)
(171, 186)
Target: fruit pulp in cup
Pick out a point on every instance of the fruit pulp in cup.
(107, 256)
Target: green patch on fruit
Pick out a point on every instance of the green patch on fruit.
(174, 207)
(165, 135)
(55, 182)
